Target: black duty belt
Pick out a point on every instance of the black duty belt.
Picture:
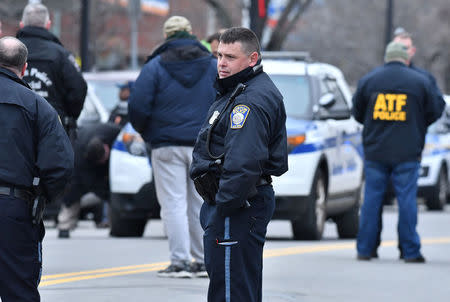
(17, 193)
(264, 180)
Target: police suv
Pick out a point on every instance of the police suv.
(325, 176)
(434, 176)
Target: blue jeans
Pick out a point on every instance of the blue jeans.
(404, 180)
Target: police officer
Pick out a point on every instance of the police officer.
(396, 104)
(119, 115)
(33, 145)
(405, 38)
(91, 172)
(52, 70)
(241, 144)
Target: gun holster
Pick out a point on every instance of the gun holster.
(37, 208)
(37, 205)
(207, 186)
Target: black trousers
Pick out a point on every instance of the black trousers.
(20, 251)
(234, 248)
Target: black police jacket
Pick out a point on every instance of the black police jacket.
(396, 104)
(52, 71)
(33, 142)
(251, 133)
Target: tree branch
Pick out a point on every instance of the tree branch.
(221, 12)
(284, 25)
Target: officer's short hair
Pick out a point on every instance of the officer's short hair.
(95, 150)
(213, 37)
(35, 14)
(245, 36)
(13, 53)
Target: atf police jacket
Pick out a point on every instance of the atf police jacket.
(173, 92)
(52, 71)
(396, 104)
(251, 133)
(33, 142)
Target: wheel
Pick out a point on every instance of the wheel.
(347, 224)
(438, 196)
(311, 225)
(121, 227)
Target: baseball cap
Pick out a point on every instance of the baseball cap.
(396, 51)
(176, 23)
(400, 31)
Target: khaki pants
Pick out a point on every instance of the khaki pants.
(68, 216)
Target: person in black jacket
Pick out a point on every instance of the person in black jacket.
(52, 70)
(92, 150)
(240, 145)
(396, 104)
(33, 148)
(119, 115)
(404, 37)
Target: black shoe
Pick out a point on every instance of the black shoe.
(64, 234)
(363, 258)
(199, 270)
(176, 271)
(374, 254)
(419, 259)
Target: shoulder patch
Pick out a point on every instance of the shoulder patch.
(238, 116)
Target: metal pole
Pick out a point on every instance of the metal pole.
(84, 35)
(389, 22)
(134, 14)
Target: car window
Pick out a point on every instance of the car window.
(89, 113)
(107, 92)
(296, 94)
(340, 106)
(442, 125)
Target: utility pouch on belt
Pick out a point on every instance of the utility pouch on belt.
(37, 206)
(207, 186)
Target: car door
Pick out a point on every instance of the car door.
(346, 161)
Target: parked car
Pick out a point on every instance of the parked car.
(325, 174)
(434, 174)
(325, 177)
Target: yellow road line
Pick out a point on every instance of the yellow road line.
(150, 267)
(106, 270)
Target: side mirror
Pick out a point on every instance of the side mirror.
(327, 100)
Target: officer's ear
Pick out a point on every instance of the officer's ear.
(48, 24)
(22, 72)
(253, 59)
(21, 25)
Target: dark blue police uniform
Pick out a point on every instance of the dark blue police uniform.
(396, 104)
(33, 143)
(251, 134)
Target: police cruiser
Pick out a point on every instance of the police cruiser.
(325, 176)
(434, 176)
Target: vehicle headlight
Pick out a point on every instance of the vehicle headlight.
(134, 144)
(294, 141)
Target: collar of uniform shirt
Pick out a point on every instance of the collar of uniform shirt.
(229, 83)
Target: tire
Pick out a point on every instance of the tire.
(438, 196)
(121, 227)
(347, 224)
(311, 225)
